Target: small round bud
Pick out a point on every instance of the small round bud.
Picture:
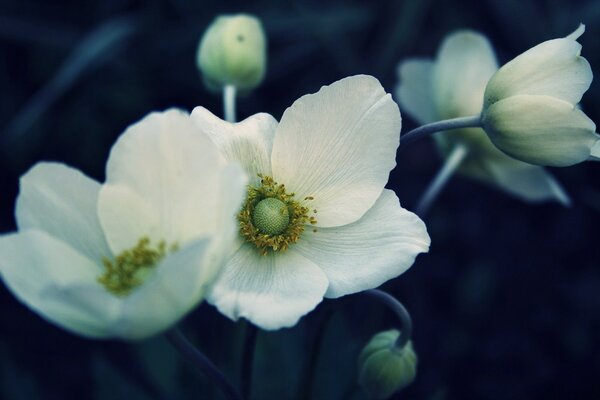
(385, 368)
(232, 51)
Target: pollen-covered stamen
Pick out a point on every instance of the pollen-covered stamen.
(129, 269)
(271, 219)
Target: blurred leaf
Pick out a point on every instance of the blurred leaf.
(95, 49)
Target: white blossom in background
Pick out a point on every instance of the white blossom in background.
(317, 220)
(530, 110)
(130, 257)
(453, 86)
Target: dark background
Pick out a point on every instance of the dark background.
(507, 303)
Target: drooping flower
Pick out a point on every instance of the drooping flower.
(453, 86)
(530, 110)
(384, 368)
(317, 220)
(130, 257)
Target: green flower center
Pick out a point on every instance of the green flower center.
(129, 269)
(271, 218)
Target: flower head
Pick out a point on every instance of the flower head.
(317, 220)
(453, 86)
(530, 108)
(130, 257)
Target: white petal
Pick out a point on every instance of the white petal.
(163, 181)
(271, 291)
(338, 145)
(415, 91)
(526, 181)
(57, 282)
(365, 254)
(179, 283)
(248, 142)
(540, 130)
(464, 65)
(553, 68)
(62, 201)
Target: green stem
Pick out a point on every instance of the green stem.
(445, 125)
(308, 374)
(248, 359)
(202, 363)
(454, 160)
(229, 93)
(393, 304)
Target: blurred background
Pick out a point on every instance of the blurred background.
(507, 303)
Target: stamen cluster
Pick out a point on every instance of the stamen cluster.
(127, 270)
(299, 217)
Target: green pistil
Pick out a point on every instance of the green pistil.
(271, 216)
(129, 269)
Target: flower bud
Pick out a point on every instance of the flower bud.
(385, 368)
(233, 52)
(530, 105)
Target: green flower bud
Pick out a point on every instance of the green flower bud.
(233, 52)
(385, 368)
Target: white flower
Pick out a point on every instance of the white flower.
(530, 108)
(453, 86)
(130, 257)
(319, 222)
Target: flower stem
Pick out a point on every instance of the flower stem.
(248, 359)
(456, 157)
(393, 304)
(198, 359)
(445, 125)
(229, 94)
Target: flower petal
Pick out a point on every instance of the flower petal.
(365, 254)
(526, 181)
(62, 202)
(248, 142)
(464, 65)
(179, 283)
(415, 91)
(338, 146)
(271, 291)
(56, 281)
(540, 130)
(163, 181)
(553, 68)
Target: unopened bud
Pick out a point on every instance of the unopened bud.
(384, 368)
(232, 51)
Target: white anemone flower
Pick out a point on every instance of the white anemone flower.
(453, 86)
(130, 257)
(317, 220)
(530, 110)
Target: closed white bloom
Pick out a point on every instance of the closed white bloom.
(317, 221)
(530, 110)
(453, 86)
(127, 258)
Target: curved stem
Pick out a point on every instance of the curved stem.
(454, 160)
(200, 361)
(445, 125)
(248, 359)
(229, 93)
(393, 304)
